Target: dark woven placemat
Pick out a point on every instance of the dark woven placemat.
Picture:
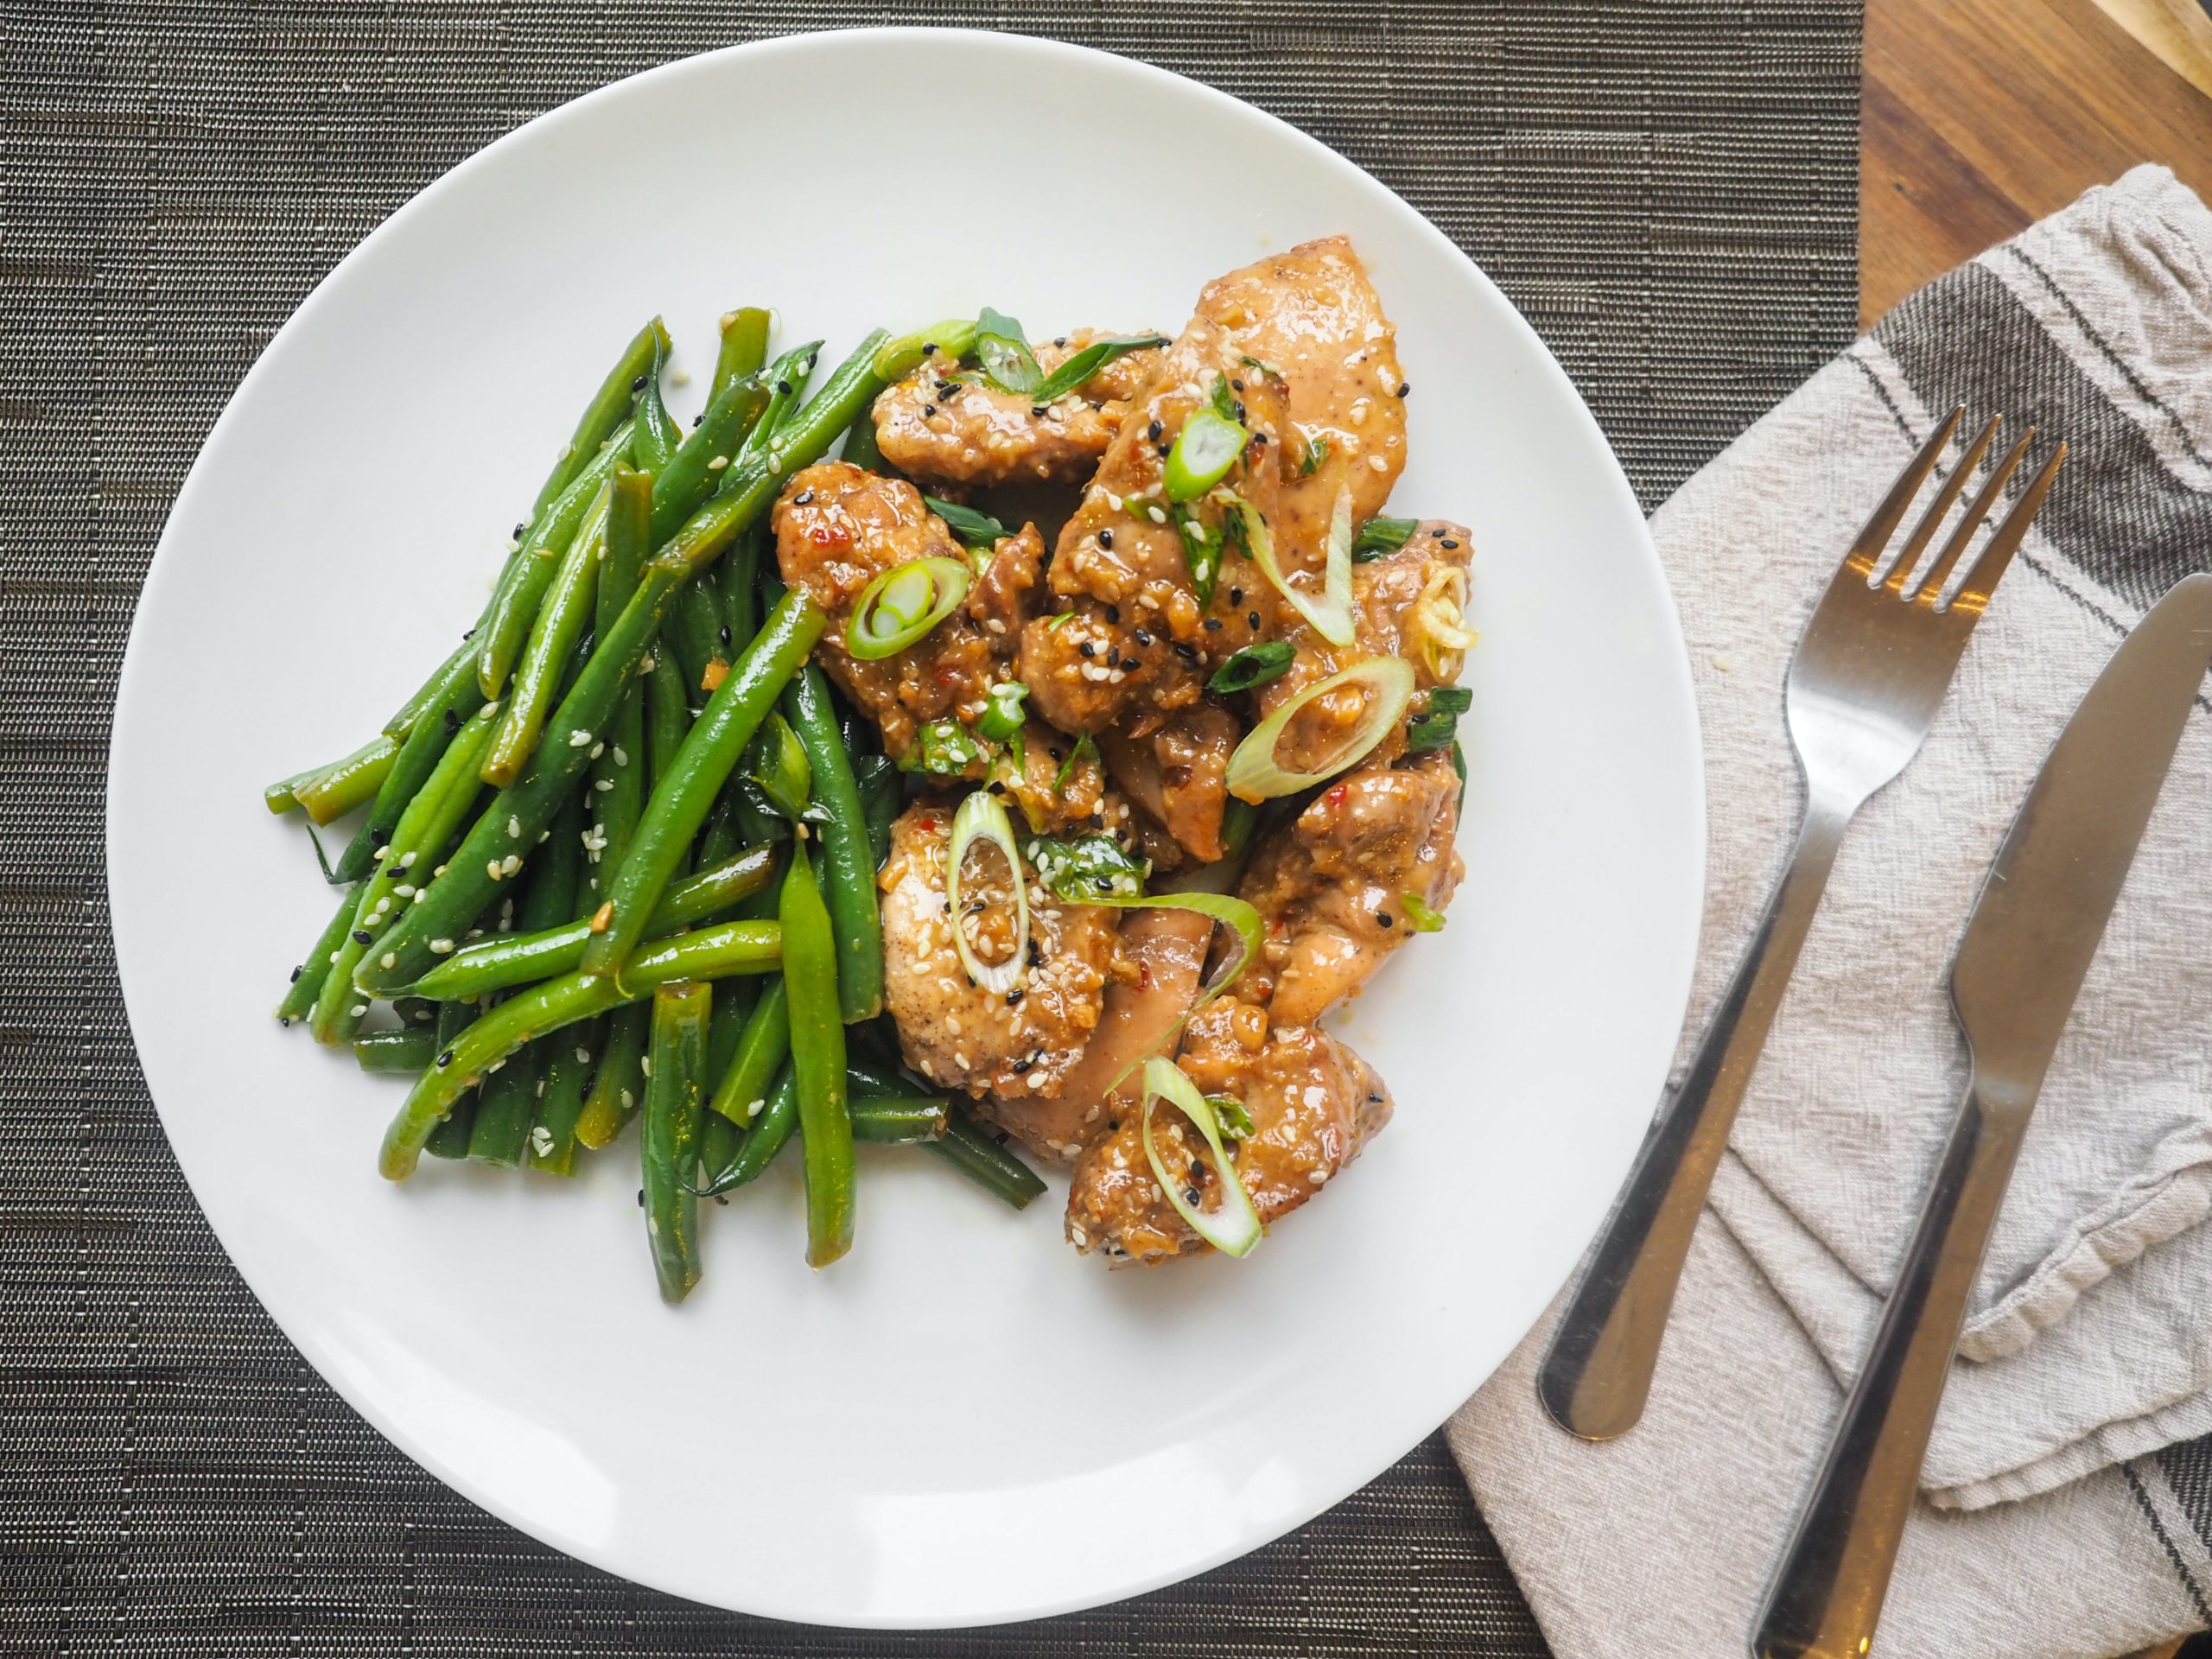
(1668, 190)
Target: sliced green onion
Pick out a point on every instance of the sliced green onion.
(1459, 766)
(1329, 615)
(1317, 451)
(952, 339)
(777, 762)
(1206, 447)
(1003, 714)
(1440, 725)
(904, 603)
(1253, 665)
(1235, 1227)
(982, 817)
(1253, 774)
(1085, 749)
(944, 747)
(1378, 536)
(1201, 552)
(1003, 350)
(1419, 915)
(1078, 369)
(1236, 1122)
(974, 529)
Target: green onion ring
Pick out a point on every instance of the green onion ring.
(1253, 774)
(983, 816)
(886, 621)
(1204, 450)
(1330, 614)
(1235, 1227)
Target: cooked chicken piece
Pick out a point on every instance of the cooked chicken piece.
(1179, 773)
(1405, 604)
(838, 528)
(1163, 957)
(1314, 1104)
(1331, 885)
(943, 428)
(951, 1030)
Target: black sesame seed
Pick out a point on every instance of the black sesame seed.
(377, 837)
(1383, 917)
(1374, 1100)
(725, 632)
(1131, 662)
(1237, 385)
(1014, 996)
(722, 1199)
(284, 1022)
(1037, 411)
(1104, 883)
(453, 721)
(1060, 340)
(1259, 438)
(1142, 638)
(297, 971)
(782, 388)
(1188, 653)
(1114, 614)
(521, 530)
(1036, 960)
(445, 1060)
(802, 497)
(1404, 386)
(1236, 595)
(1239, 407)
(1449, 542)
(1088, 649)
(638, 385)
(695, 419)
(470, 635)
(1105, 539)
(362, 936)
(393, 869)
(1213, 624)
(1252, 617)
(1155, 430)
(929, 348)
(1189, 1195)
(641, 1197)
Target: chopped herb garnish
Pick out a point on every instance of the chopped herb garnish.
(1317, 451)
(1253, 665)
(974, 529)
(1003, 350)
(1378, 536)
(1419, 916)
(1084, 753)
(1224, 400)
(1201, 552)
(946, 748)
(1078, 369)
(1003, 716)
(1236, 1122)
(1086, 868)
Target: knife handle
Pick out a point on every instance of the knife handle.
(1597, 1370)
(1826, 1595)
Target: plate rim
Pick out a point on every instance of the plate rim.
(1312, 151)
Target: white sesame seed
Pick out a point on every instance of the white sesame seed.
(334, 957)
(579, 739)
(583, 1055)
(598, 749)
(1318, 1176)
(405, 889)
(440, 870)
(718, 463)
(1036, 1079)
(492, 869)
(514, 828)
(602, 784)
(510, 865)
(541, 1139)
(678, 377)
(620, 759)
(360, 1008)
(1378, 463)
(645, 1066)
(407, 862)
(629, 1100)
(1157, 515)
(390, 959)
(380, 854)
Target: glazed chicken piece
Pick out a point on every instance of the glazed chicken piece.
(946, 429)
(1331, 885)
(1405, 604)
(951, 1030)
(837, 528)
(1180, 773)
(1314, 1104)
(1156, 980)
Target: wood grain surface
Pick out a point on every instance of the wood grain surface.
(1982, 116)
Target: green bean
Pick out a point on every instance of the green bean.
(605, 413)
(684, 793)
(457, 899)
(407, 1049)
(702, 645)
(899, 1119)
(618, 772)
(671, 1140)
(736, 580)
(986, 1163)
(509, 1099)
(568, 1074)
(508, 959)
(425, 827)
(722, 837)
(777, 1122)
(734, 1003)
(710, 953)
(562, 615)
(785, 379)
(691, 473)
(307, 978)
(522, 587)
(719, 1139)
(619, 1083)
(455, 698)
(848, 861)
(450, 1139)
(335, 789)
(859, 443)
(744, 345)
(762, 1048)
(878, 778)
(658, 438)
(818, 1063)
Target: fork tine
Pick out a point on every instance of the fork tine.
(1930, 521)
(1867, 551)
(1989, 569)
(1929, 588)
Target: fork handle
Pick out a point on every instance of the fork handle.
(1597, 1370)
(1827, 1596)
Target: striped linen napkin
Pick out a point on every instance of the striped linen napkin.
(2068, 1491)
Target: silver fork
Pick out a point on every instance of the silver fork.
(1870, 671)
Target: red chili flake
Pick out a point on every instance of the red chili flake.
(830, 536)
(1334, 797)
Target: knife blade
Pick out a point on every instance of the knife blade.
(2052, 886)
(2027, 947)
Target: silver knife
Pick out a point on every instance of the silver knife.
(2026, 951)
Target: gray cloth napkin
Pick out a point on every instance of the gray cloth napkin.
(2051, 1528)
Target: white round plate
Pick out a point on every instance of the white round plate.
(962, 1422)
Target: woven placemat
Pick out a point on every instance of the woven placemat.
(1669, 192)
